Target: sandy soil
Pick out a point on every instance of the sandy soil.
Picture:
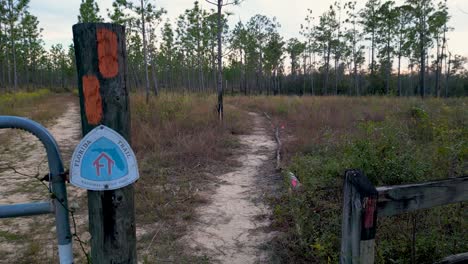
(23, 238)
(233, 226)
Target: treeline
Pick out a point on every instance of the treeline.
(382, 48)
(24, 62)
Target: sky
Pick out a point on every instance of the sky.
(58, 16)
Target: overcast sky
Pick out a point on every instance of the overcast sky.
(57, 16)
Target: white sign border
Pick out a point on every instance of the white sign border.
(75, 171)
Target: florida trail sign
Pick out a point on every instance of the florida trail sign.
(103, 160)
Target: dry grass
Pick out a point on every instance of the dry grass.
(307, 122)
(41, 106)
(30, 242)
(395, 141)
(180, 145)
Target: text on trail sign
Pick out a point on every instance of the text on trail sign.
(103, 160)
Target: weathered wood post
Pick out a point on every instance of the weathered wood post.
(359, 219)
(101, 63)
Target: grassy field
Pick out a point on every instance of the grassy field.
(181, 146)
(394, 141)
(41, 105)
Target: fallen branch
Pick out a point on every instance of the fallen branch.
(278, 142)
(292, 179)
(278, 149)
(268, 117)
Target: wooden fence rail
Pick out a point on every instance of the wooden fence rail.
(363, 202)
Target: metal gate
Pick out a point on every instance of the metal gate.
(58, 203)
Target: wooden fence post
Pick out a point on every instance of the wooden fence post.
(359, 218)
(101, 63)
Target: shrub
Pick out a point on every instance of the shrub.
(394, 141)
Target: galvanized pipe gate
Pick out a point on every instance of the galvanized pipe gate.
(59, 203)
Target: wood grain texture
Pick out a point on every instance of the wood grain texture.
(394, 200)
(111, 213)
(461, 258)
(359, 217)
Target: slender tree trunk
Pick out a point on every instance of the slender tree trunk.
(260, 73)
(336, 75)
(189, 77)
(356, 84)
(214, 71)
(372, 52)
(26, 59)
(7, 60)
(145, 52)
(155, 77)
(448, 75)
(442, 55)
(245, 73)
(311, 73)
(436, 87)
(13, 47)
(2, 73)
(220, 63)
(337, 50)
(399, 64)
(423, 57)
(304, 76)
(200, 66)
(154, 71)
(327, 70)
(62, 70)
(8, 63)
(411, 88)
(134, 75)
(389, 69)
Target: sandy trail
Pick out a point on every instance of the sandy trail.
(27, 155)
(19, 237)
(232, 227)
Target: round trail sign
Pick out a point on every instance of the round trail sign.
(103, 160)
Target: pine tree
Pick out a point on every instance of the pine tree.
(220, 4)
(89, 12)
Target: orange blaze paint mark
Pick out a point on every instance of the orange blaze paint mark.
(92, 99)
(107, 53)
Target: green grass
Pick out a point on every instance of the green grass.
(394, 141)
(9, 102)
(40, 105)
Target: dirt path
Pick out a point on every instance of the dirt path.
(25, 153)
(21, 238)
(233, 226)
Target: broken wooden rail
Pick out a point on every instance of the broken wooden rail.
(363, 202)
